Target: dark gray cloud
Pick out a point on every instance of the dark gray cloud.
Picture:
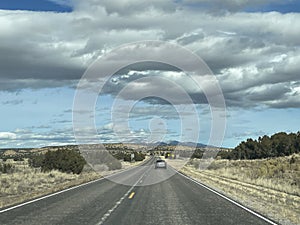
(15, 85)
(268, 92)
(283, 104)
(256, 60)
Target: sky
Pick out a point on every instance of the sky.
(251, 47)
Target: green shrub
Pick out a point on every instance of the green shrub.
(6, 168)
(198, 153)
(139, 156)
(68, 161)
(36, 161)
(127, 158)
(119, 155)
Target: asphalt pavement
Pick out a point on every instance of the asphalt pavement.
(138, 196)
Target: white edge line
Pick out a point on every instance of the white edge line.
(228, 199)
(68, 189)
(49, 195)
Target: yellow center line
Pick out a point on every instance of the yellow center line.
(131, 195)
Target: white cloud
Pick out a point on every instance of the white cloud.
(7, 136)
(227, 5)
(108, 126)
(33, 138)
(126, 7)
(245, 50)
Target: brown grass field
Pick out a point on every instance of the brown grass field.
(26, 183)
(269, 186)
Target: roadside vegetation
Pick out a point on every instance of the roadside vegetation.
(29, 173)
(6, 168)
(269, 186)
(263, 174)
(279, 144)
(281, 174)
(126, 156)
(23, 182)
(62, 160)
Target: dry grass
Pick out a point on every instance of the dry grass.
(27, 183)
(282, 174)
(269, 186)
(126, 165)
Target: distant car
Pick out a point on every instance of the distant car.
(160, 164)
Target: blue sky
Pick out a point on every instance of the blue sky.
(252, 48)
(34, 5)
(57, 6)
(279, 6)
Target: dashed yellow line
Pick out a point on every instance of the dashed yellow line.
(131, 195)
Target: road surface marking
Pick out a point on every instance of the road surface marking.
(47, 196)
(131, 195)
(228, 199)
(71, 188)
(109, 212)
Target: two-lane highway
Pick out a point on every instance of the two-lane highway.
(150, 196)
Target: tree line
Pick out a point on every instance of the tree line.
(126, 156)
(279, 144)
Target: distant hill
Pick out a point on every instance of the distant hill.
(175, 143)
(9, 153)
(108, 146)
(15, 149)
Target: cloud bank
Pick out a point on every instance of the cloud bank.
(255, 56)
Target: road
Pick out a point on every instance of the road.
(142, 195)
